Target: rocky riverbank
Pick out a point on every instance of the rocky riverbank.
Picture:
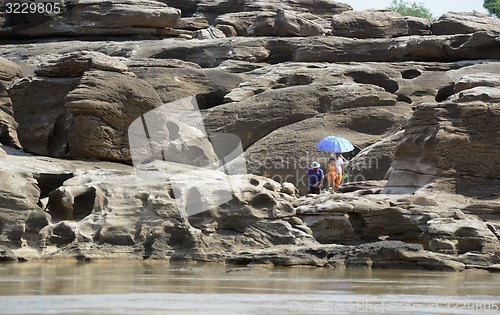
(419, 100)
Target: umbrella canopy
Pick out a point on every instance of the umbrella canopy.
(335, 144)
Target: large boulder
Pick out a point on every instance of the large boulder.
(44, 122)
(103, 106)
(38, 101)
(369, 24)
(76, 63)
(441, 138)
(460, 235)
(464, 23)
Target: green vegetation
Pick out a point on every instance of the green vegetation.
(415, 9)
(493, 6)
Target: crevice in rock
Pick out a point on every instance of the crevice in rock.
(58, 143)
(445, 92)
(493, 230)
(63, 207)
(325, 104)
(211, 99)
(48, 182)
(404, 98)
(62, 234)
(459, 41)
(84, 204)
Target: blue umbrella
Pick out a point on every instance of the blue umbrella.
(335, 144)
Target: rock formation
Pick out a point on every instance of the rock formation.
(92, 18)
(229, 99)
(8, 126)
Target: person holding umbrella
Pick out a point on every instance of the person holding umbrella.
(316, 177)
(335, 170)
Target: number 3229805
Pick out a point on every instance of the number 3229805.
(26, 8)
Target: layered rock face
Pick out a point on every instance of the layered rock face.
(190, 135)
(89, 18)
(58, 119)
(453, 142)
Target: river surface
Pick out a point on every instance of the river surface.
(162, 288)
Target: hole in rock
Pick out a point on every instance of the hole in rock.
(84, 204)
(459, 41)
(60, 208)
(445, 92)
(49, 182)
(404, 98)
(469, 245)
(62, 234)
(411, 74)
(262, 200)
(378, 79)
(468, 240)
(254, 182)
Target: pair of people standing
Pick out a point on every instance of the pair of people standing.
(334, 172)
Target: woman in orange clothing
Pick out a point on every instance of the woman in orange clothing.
(334, 171)
(331, 174)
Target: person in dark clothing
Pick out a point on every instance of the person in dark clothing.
(316, 177)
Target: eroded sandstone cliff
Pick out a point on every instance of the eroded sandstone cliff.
(419, 100)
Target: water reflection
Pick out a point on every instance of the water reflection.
(160, 288)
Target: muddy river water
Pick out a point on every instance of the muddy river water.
(161, 288)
